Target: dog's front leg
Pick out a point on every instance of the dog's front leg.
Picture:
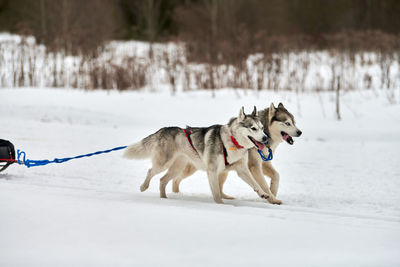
(254, 164)
(273, 174)
(244, 173)
(222, 178)
(256, 172)
(214, 185)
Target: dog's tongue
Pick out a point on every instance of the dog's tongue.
(285, 137)
(288, 139)
(259, 145)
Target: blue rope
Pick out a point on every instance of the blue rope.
(263, 157)
(33, 163)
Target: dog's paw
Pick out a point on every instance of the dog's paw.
(219, 201)
(143, 187)
(175, 190)
(262, 194)
(224, 196)
(175, 187)
(273, 200)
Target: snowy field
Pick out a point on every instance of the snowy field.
(340, 184)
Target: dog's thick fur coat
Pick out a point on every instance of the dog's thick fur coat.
(170, 149)
(280, 125)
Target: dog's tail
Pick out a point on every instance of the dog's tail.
(140, 150)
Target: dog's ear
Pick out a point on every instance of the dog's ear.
(242, 115)
(271, 112)
(254, 113)
(280, 105)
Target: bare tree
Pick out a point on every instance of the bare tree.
(43, 19)
(151, 15)
(338, 116)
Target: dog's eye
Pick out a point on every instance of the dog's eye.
(253, 128)
(287, 123)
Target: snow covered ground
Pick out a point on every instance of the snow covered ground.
(340, 184)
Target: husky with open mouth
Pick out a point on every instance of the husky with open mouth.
(215, 149)
(280, 125)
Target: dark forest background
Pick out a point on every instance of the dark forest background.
(293, 45)
(215, 30)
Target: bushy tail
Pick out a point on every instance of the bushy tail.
(140, 150)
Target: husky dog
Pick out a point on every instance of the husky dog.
(280, 125)
(215, 149)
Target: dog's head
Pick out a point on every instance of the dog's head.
(281, 124)
(248, 130)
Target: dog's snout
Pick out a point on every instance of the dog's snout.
(299, 133)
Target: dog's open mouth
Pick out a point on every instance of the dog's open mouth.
(287, 138)
(259, 145)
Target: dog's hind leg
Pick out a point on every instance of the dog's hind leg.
(150, 173)
(273, 174)
(160, 164)
(189, 170)
(222, 178)
(176, 168)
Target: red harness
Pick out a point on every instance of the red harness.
(188, 132)
(236, 142)
(225, 153)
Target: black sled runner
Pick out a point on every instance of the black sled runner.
(7, 154)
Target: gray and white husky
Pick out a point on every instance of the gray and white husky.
(215, 149)
(280, 125)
